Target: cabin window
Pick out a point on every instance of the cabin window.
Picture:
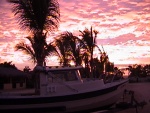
(71, 76)
(64, 75)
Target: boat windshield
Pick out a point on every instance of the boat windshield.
(64, 75)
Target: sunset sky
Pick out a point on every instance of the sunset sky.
(123, 25)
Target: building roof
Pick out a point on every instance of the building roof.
(6, 71)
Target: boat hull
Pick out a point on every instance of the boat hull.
(98, 99)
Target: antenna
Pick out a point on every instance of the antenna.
(103, 48)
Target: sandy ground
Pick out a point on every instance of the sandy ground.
(141, 94)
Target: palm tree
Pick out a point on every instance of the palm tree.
(62, 49)
(89, 38)
(37, 16)
(39, 49)
(68, 46)
(104, 59)
(74, 47)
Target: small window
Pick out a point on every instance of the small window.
(72, 76)
(64, 76)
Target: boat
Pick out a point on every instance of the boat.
(64, 90)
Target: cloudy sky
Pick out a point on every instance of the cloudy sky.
(123, 25)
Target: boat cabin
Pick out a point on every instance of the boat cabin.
(66, 74)
(55, 76)
(63, 75)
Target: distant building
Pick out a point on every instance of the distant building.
(11, 78)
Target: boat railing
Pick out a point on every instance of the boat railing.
(112, 78)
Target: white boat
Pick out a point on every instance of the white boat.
(62, 89)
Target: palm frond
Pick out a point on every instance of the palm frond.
(26, 49)
(37, 15)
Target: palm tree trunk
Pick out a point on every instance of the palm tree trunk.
(92, 62)
(37, 77)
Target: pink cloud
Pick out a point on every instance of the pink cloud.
(121, 24)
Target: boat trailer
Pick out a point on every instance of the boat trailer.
(129, 101)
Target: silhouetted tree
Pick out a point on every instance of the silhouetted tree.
(89, 39)
(8, 65)
(37, 16)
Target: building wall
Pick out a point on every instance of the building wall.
(9, 86)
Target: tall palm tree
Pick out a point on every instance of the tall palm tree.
(38, 16)
(89, 37)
